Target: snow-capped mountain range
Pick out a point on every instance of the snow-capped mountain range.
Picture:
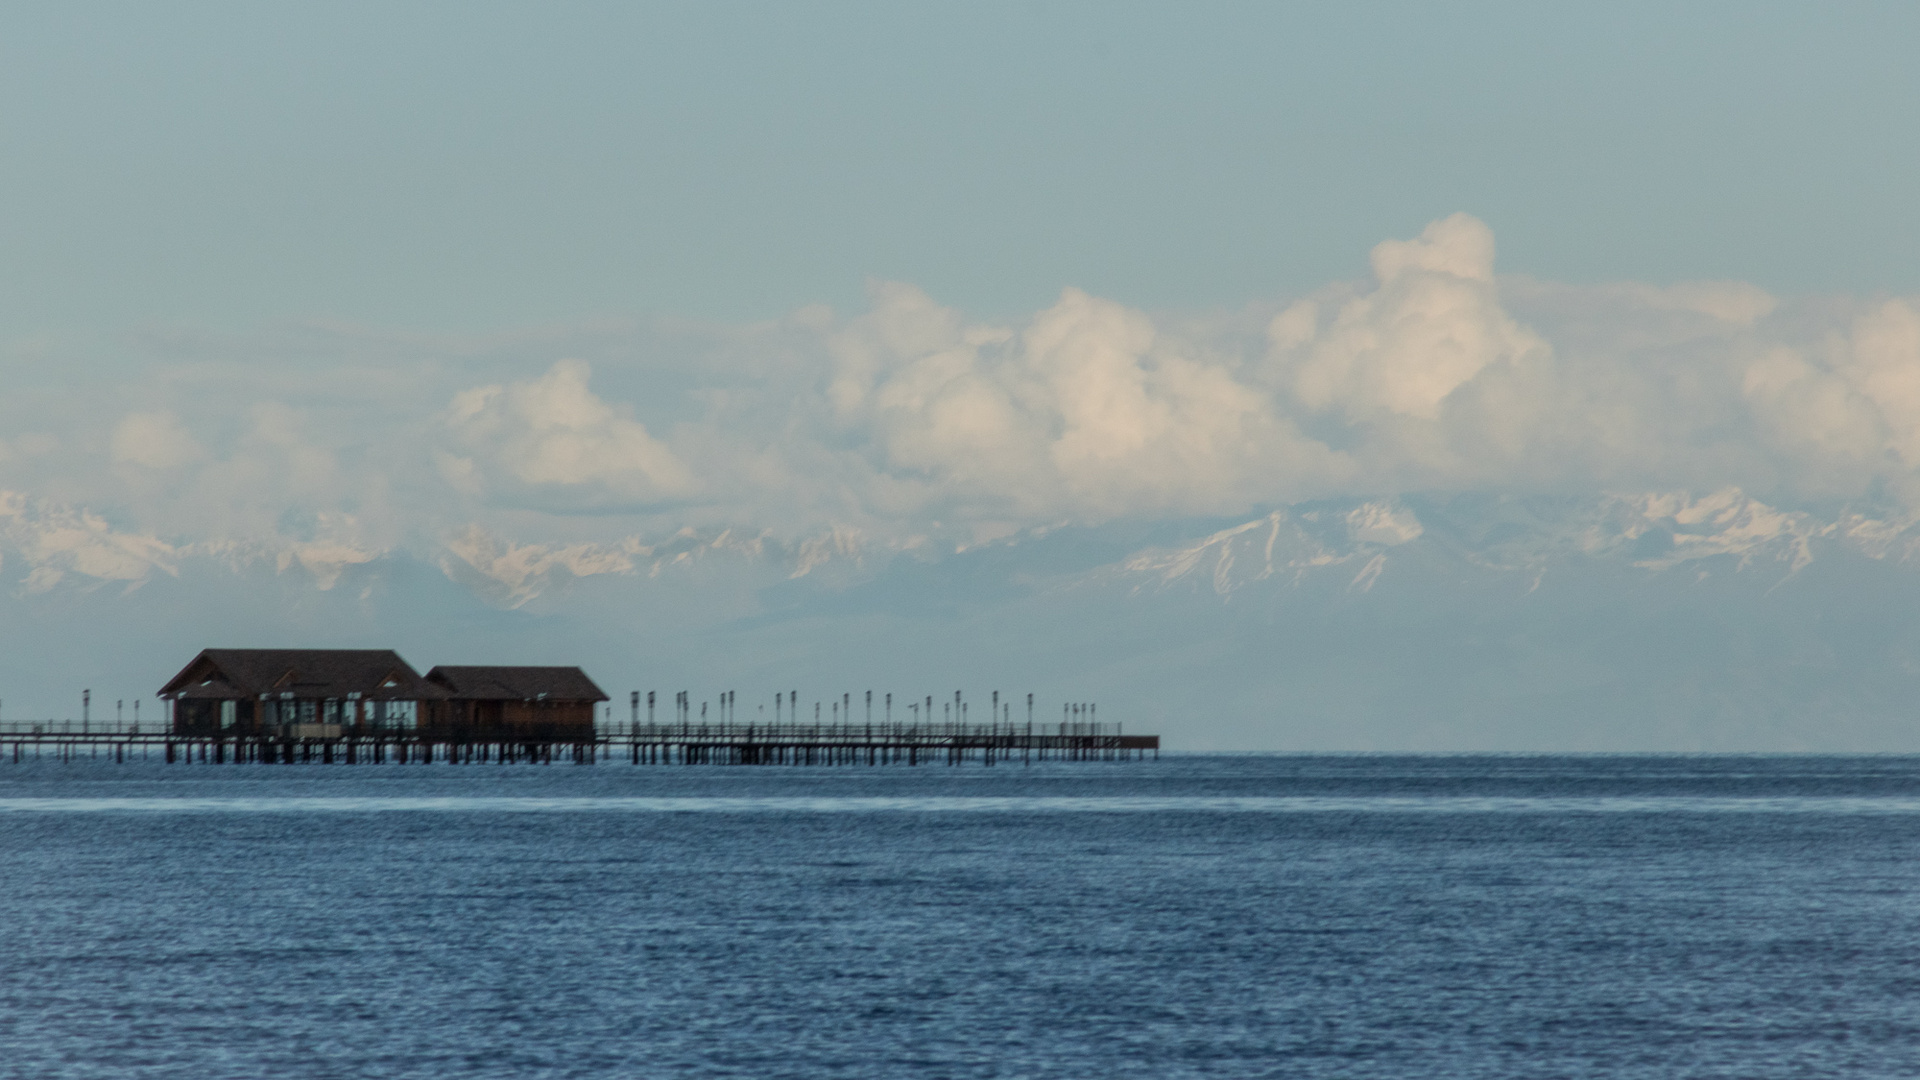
(1651, 532)
(49, 546)
(1633, 621)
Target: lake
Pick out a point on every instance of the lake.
(1196, 916)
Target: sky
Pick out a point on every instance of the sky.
(737, 346)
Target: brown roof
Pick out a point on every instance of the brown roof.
(516, 683)
(377, 674)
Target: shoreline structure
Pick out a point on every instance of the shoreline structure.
(656, 744)
(368, 706)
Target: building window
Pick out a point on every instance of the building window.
(396, 715)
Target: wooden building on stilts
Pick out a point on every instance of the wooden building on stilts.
(369, 705)
(299, 694)
(353, 693)
(515, 703)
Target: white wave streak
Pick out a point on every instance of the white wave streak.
(1305, 804)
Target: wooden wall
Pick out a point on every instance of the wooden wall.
(511, 719)
(478, 720)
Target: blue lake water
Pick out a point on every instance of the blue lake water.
(1192, 917)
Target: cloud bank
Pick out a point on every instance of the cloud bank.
(910, 427)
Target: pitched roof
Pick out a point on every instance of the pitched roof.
(378, 674)
(516, 683)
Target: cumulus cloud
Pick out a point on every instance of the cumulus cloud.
(280, 480)
(1085, 411)
(910, 426)
(1881, 359)
(155, 440)
(1432, 323)
(1846, 410)
(555, 432)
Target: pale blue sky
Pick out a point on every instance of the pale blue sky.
(473, 166)
(1169, 363)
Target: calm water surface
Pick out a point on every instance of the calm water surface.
(1195, 917)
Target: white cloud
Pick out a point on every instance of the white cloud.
(1848, 409)
(1818, 414)
(554, 431)
(280, 480)
(1087, 411)
(1729, 301)
(155, 440)
(910, 424)
(1433, 322)
(1882, 360)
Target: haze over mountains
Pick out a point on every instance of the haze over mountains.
(1624, 622)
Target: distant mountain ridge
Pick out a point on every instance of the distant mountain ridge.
(1623, 622)
(51, 545)
(1652, 532)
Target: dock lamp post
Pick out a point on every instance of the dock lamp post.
(86, 703)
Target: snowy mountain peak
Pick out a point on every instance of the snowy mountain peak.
(1651, 532)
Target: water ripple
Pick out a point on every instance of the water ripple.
(980, 804)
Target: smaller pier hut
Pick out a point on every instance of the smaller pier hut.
(514, 704)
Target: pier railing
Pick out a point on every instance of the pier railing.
(79, 727)
(625, 731)
(673, 742)
(842, 731)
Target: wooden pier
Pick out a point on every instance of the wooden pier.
(637, 744)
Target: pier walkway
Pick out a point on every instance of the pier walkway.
(638, 744)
